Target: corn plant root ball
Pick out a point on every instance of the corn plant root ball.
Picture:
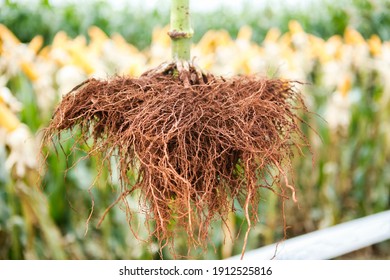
(197, 142)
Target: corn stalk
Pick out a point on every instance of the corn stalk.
(181, 32)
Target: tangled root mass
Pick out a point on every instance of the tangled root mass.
(200, 144)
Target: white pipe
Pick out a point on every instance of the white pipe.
(328, 243)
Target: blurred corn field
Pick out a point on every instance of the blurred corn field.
(347, 87)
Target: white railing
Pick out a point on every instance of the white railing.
(328, 243)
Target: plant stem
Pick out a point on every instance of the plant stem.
(181, 31)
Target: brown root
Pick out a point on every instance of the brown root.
(197, 142)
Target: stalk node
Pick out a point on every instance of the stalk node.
(175, 34)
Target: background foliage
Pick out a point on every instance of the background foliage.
(136, 23)
(341, 49)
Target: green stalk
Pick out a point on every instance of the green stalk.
(181, 31)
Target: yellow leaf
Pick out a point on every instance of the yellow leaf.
(79, 59)
(36, 44)
(60, 40)
(7, 36)
(375, 45)
(95, 33)
(7, 119)
(272, 35)
(98, 38)
(121, 43)
(345, 86)
(160, 36)
(28, 69)
(295, 27)
(332, 49)
(213, 39)
(245, 33)
(353, 37)
(78, 50)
